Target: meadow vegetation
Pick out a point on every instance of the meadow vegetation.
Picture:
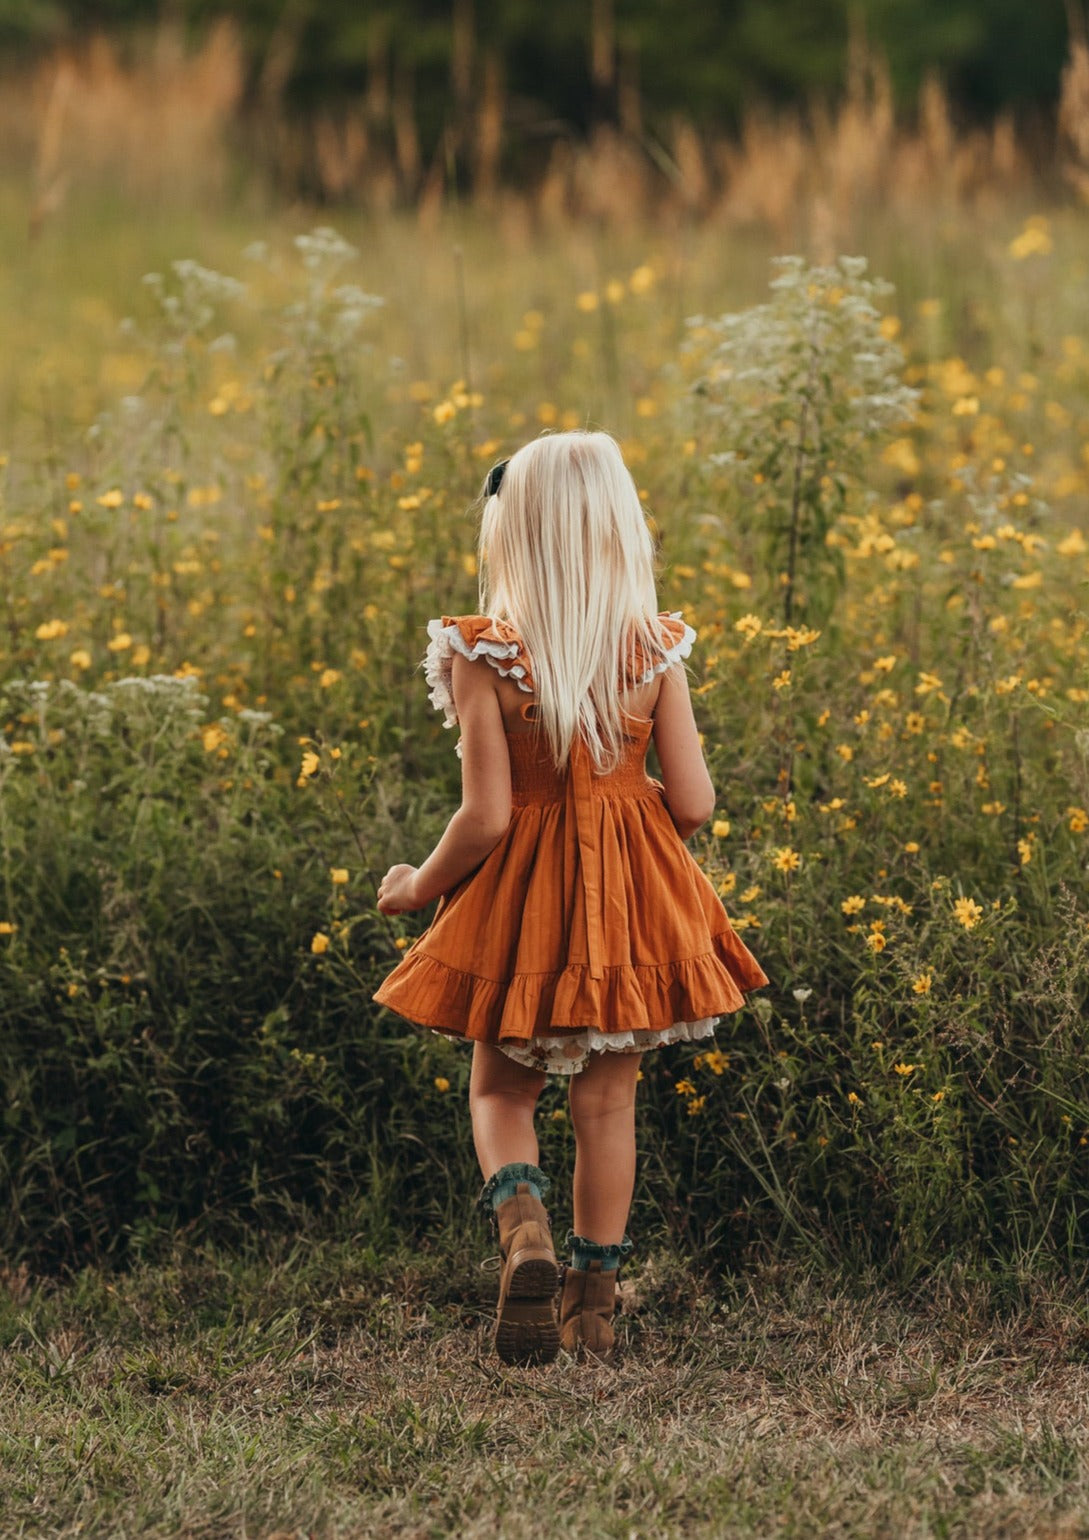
(222, 541)
(239, 458)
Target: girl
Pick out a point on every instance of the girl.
(574, 930)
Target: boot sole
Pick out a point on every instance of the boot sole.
(526, 1329)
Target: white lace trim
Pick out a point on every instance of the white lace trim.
(673, 654)
(446, 640)
(439, 662)
(568, 1054)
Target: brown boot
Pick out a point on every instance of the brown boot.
(586, 1311)
(525, 1328)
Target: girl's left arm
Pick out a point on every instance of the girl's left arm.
(482, 819)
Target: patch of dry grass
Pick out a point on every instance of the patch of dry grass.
(318, 1393)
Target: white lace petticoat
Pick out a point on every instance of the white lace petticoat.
(567, 1054)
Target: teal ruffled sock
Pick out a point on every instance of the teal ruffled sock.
(584, 1251)
(501, 1185)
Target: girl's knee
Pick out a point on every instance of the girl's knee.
(498, 1095)
(494, 1074)
(606, 1086)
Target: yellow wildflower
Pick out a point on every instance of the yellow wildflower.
(720, 828)
(853, 905)
(320, 943)
(750, 626)
(1034, 240)
(922, 981)
(803, 638)
(968, 912)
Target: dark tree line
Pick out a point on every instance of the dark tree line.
(572, 63)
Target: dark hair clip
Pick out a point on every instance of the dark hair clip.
(495, 477)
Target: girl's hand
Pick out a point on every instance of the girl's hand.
(397, 891)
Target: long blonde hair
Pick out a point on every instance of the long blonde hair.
(567, 558)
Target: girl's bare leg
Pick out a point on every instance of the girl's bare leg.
(502, 1100)
(602, 1101)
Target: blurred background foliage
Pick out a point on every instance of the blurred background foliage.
(468, 96)
(568, 60)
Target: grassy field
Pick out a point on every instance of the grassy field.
(318, 1391)
(315, 1390)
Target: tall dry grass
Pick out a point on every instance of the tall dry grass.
(169, 120)
(156, 123)
(1074, 116)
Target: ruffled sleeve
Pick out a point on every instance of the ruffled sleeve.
(474, 636)
(677, 640)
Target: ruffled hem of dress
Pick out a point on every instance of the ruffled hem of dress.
(638, 997)
(569, 1054)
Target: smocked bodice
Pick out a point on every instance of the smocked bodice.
(535, 779)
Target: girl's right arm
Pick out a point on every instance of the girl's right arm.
(689, 794)
(482, 819)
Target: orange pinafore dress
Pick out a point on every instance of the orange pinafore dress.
(589, 926)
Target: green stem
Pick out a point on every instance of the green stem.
(796, 501)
